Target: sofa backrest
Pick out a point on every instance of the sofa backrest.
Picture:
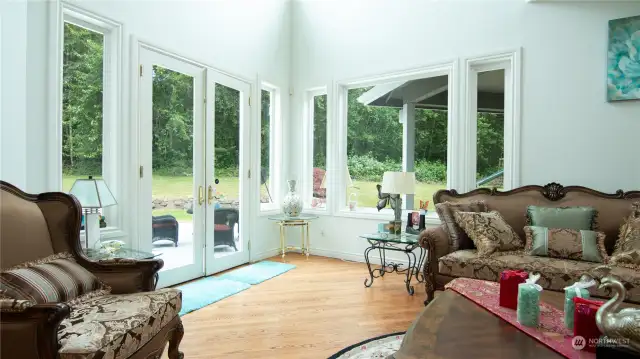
(35, 226)
(612, 208)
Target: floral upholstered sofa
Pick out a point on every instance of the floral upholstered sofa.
(448, 260)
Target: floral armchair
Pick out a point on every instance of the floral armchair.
(134, 321)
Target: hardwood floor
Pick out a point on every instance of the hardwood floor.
(311, 311)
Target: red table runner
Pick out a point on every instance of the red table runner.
(551, 330)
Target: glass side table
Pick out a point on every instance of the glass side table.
(128, 253)
(301, 221)
(405, 243)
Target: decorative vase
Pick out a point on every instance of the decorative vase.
(292, 204)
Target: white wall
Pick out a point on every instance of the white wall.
(570, 134)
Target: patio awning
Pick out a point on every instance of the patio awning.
(433, 93)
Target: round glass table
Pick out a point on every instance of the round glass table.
(129, 253)
(301, 221)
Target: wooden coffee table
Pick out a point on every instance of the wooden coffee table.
(454, 327)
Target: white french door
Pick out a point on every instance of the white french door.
(196, 218)
(227, 166)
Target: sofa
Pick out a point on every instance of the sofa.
(444, 264)
(130, 319)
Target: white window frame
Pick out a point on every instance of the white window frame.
(112, 105)
(307, 168)
(511, 63)
(275, 146)
(454, 178)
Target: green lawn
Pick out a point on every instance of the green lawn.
(179, 186)
(367, 194)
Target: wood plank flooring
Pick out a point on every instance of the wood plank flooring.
(311, 311)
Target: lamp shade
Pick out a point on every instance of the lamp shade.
(92, 193)
(398, 182)
(347, 179)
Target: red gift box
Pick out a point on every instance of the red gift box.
(584, 321)
(509, 281)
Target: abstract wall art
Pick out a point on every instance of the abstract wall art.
(623, 65)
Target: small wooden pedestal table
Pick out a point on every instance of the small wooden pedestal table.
(300, 221)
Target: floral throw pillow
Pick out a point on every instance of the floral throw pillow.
(458, 239)
(626, 252)
(489, 232)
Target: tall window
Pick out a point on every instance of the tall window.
(319, 116)
(90, 134)
(490, 133)
(82, 103)
(268, 147)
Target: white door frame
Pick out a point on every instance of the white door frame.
(148, 57)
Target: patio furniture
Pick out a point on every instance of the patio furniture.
(49, 224)
(225, 220)
(165, 227)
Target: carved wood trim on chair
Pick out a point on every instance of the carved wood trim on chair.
(552, 191)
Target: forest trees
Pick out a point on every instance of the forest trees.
(374, 133)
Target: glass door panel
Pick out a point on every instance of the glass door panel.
(228, 164)
(172, 112)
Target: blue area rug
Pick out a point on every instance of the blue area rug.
(205, 291)
(258, 272)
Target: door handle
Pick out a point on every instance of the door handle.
(210, 195)
(200, 195)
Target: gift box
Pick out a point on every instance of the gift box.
(584, 321)
(509, 281)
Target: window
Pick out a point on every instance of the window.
(269, 96)
(319, 116)
(89, 103)
(399, 125)
(82, 114)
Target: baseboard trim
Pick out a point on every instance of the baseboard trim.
(353, 257)
(266, 254)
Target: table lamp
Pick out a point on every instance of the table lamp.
(396, 184)
(93, 195)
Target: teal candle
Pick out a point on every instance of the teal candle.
(569, 307)
(528, 311)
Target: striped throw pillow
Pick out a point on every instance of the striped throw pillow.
(54, 279)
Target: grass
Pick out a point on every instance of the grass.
(180, 186)
(367, 194)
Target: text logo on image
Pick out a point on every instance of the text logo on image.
(578, 343)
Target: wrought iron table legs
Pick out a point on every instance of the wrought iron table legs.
(414, 267)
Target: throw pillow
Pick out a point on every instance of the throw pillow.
(54, 279)
(579, 218)
(579, 245)
(626, 252)
(489, 232)
(457, 237)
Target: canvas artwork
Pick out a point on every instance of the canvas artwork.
(623, 71)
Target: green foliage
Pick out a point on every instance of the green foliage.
(82, 101)
(374, 134)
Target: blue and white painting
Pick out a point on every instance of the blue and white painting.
(623, 72)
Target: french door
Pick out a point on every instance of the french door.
(194, 130)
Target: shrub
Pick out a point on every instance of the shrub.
(431, 172)
(367, 168)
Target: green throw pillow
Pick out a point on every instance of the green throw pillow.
(578, 218)
(565, 243)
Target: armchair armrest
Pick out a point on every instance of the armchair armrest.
(436, 241)
(125, 275)
(31, 332)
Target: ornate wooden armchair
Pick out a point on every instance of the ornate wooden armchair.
(134, 321)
